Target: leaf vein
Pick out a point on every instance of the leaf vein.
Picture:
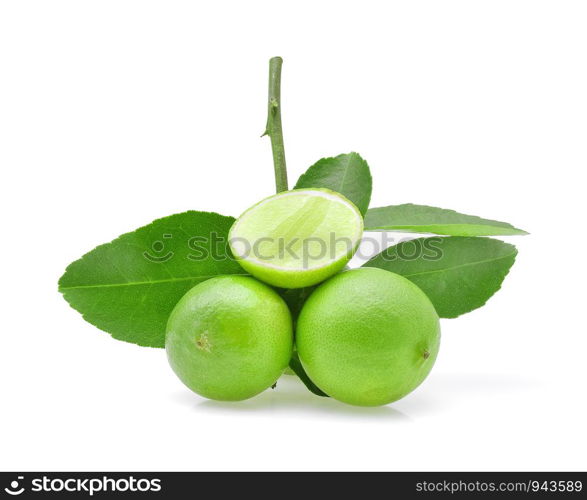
(149, 282)
(467, 264)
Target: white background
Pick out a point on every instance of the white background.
(115, 113)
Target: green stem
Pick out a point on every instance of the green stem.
(273, 127)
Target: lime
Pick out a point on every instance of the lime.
(368, 336)
(297, 238)
(229, 338)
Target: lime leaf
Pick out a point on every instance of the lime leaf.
(458, 274)
(424, 219)
(295, 298)
(129, 286)
(348, 174)
(298, 369)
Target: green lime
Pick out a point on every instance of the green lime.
(297, 238)
(368, 336)
(229, 338)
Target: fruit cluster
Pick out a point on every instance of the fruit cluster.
(364, 336)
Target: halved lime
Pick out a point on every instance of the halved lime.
(297, 238)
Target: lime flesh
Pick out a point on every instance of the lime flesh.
(367, 337)
(229, 338)
(297, 238)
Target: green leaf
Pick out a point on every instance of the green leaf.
(347, 174)
(458, 274)
(298, 369)
(129, 286)
(295, 299)
(424, 219)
